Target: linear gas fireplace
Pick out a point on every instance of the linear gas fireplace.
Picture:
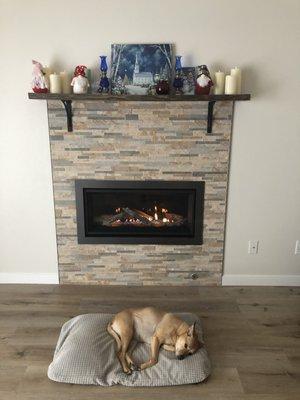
(165, 212)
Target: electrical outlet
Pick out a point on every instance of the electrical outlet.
(297, 247)
(253, 247)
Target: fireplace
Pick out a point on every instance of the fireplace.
(136, 212)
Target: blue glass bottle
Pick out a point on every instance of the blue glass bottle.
(104, 82)
(178, 81)
(103, 64)
(178, 63)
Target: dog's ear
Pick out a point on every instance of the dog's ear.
(192, 330)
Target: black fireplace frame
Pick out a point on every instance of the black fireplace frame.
(197, 186)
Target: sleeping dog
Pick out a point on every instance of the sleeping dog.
(155, 327)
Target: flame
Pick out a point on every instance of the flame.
(160, 214)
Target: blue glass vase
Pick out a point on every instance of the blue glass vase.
(178, 66)
(178, 81)
(104, 82)
(103, 64)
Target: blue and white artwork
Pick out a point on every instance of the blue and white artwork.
(135, 68)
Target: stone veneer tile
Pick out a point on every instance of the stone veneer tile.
(140, 141)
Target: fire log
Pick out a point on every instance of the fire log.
(137, 214)
(108, 219)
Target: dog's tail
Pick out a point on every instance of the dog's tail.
(115, 336)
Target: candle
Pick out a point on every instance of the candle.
(47, 71)
(219, 82)
(88, 75)
(65, 82)
(55, 83)
(230, 84)
(237, 73)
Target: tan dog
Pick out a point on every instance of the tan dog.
(155, 327)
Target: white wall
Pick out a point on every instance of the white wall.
(262, 37)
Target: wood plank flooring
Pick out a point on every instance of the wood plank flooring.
(252, 336)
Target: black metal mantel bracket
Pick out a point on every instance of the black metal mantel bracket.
(68, 107)
(210, 114)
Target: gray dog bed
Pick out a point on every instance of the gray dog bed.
(86, 354)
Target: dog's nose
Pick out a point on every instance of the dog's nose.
(181, 357)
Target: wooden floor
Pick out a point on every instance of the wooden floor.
(252, 336)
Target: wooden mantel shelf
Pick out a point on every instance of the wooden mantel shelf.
(113, 97)
(68, 98)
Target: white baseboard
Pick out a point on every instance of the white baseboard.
(29, 278)
(261, 280)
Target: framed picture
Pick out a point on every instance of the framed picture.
(189, 80)
(135, 68)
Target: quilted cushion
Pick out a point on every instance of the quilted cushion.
(85, 354)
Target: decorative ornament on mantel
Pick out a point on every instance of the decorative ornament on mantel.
(39, 82)
(162, 87)
(204, 81)
(104, 82)
(80, 83)
(178, 82)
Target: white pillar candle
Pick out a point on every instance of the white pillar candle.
(47, 71)
(230, 84)
(219, 82)
(237, 73)
(88, 75)
(55, 83)
(65, 82)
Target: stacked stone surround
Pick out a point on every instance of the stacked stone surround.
(140, 141)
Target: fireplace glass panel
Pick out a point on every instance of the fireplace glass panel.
(122, 212)
(166, 212)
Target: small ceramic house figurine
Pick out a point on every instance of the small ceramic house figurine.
(204, 81)
(39, 83)
(80, 83)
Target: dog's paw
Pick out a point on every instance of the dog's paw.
(128, 371)
(134, 367)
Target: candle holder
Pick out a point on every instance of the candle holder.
(104, 82)
(178, 81)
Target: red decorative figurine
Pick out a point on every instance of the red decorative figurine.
(80, 83)
(204, 81)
